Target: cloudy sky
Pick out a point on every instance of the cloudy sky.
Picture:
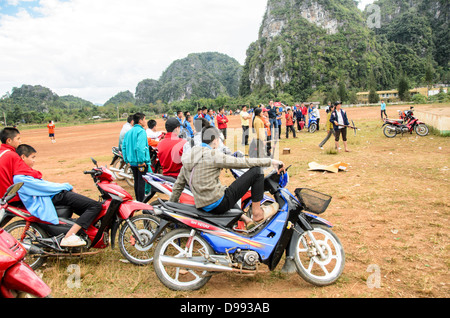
(94, 49)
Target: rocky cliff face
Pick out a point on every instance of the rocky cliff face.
(306, 46)
(199, 75)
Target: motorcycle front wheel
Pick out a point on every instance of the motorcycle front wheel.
(138, 250)
(390, 131)
(17, 230)
(179, 244)
(312, 128)
(128, 171)
(422, 130)
(319, 267)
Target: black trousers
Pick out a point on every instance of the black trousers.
(245, 133)
(253, 178)
(290, 128)
(139, 183)
(85, 207)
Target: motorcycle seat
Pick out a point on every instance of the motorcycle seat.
(64, 212)
(227, 219)
(171, 179)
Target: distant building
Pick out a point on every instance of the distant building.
(392, 95)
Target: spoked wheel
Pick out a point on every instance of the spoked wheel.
(28, 236)
(422, 130)
(179, 244)
(118, 164)
(390, 131)
(319, 267)
(312, 128)
(138, 250)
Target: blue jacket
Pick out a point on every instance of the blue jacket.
(334, 118)
(37, 194)
(135, 149)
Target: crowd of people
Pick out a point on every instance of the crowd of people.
(190, 149)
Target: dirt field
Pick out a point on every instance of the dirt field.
(390, 211)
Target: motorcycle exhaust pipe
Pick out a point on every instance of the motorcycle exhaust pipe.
(115, 169)
(31, 249)
(210, 267)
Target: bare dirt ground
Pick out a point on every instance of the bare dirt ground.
(390, 211)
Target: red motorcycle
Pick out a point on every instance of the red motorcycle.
(42, 239)
(406, 124)
(17, 279)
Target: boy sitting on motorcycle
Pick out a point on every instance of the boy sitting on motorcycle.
(40, 198)
(201, 170)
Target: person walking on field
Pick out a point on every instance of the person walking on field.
(329, 126)
(51, 130)
(383, 109)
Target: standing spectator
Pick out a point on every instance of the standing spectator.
(245, 124)
(289, 122)
(199, 114)
(51, 130)
(180, 119)
(273, 118)
(383, 109)
(210, 117)
(125, 128)
(170, 149)
(265, 118)
(299, 118)
(340, 121)
(304, 110)
(316, 113)
(329, 126)
(257, 147)
(222, 121)
(135, 150)
(279, 123)
(188, 125)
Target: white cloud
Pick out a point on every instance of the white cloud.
(95, 49)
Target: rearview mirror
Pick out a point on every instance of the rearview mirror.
(12, 191)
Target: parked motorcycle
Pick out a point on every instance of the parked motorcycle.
(312, 124)
(206, 244)
(17, 279)
(406, 124)
(164, 185)
(43, 239)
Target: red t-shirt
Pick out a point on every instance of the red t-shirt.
(12, 165)
(170, 150)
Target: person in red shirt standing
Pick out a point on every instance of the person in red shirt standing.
(222, 121)
(10, 162)
(170, 149)
(51, 131)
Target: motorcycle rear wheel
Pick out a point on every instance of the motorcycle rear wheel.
(136, 253)
(174, 244)
(422, 130)
(311, 266)
(17, 228)
(390, 131)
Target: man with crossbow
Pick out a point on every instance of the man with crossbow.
(340, 125)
